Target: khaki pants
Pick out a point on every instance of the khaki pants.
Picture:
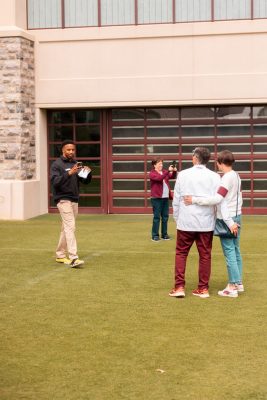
(67, 241)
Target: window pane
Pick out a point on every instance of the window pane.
(262, 203)
(61, 117)
(55, 150)
(125, 185)
(151, 11)
(88, 150)
(128, 202)
(128, 114)
(60, 133)
(128, 132)
(197, 131)
(242, 166)
(246, 203)
(260, 147)
(260, 165)
(159, 149)
(235, 147)
(260, 112)
(260, 184)
(93, 187)
(235, 112)
(245, 185)
(260, 9)
(187, 149)
(128, 166)
(233, 130)
(44, 14)
(117, 12)
(88, 133)
(192, 10)
(127, 149)
(260, 130)
(197, 113)
(232, 9)
(87, 116)
(92, 201)
(94, 165)
(163, 132)
(162, 113)
(81, 13)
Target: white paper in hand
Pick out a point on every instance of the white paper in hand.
(83, 173)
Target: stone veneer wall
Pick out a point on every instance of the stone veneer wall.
(17, 112)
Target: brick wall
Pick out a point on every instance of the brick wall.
(17, 112)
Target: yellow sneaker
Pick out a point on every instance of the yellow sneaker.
(64, 260)
(76, 263)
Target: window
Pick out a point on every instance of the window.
(233, 112)
(232, 9)
(81, 13)
(260, 9)
(152, 11)
(44, 14)
(117, 12)
(120, 152)
(84, 128)
(192, 10)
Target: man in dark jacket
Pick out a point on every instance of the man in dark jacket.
(65, 175)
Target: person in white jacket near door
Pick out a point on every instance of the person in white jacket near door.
(228, 195)
(195, 223)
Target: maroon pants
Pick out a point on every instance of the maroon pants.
(183, 245)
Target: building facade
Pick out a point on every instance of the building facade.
(129, 81)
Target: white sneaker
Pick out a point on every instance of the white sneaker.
(76, 263)
(240, 288)
(177, 292)
(227, 292)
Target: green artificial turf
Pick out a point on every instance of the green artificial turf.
(110, 330)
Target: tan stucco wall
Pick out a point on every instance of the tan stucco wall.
(22, 195)
(181, 64)
(195, 63)
(13, 13)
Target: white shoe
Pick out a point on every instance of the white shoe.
(177, 292)
(227, 292)
(76, 263)
(203, 293)
(240, 288)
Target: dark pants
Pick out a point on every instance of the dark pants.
(161, 212)
(183, 245)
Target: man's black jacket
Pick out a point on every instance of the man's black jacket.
(65, 186)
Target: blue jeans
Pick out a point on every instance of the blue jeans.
(231, 251)
(161, 212)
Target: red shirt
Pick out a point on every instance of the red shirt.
(156, 182)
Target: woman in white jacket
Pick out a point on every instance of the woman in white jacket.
(230, 194)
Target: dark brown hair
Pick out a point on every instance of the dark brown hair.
(226, 157)
(155, 161)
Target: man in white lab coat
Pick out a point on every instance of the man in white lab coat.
(195, 223)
